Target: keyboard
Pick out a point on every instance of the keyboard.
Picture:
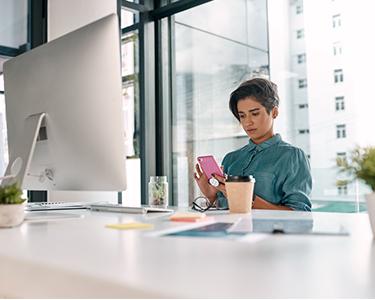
(108, 207)
(43, 206)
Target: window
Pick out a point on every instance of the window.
(4, 155)
(130, 103)
(339, 75)
(337, 48)
(341, 131)
(303, 131)
(340, 103)
(200, 85)
(228, 55)
(342, 157)
(302, 83)
(301, 58)
(336, 19)
(300, 33)
(342, 190)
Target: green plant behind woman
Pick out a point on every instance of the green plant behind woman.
(362, 166)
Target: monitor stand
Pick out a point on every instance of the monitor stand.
(20, 158)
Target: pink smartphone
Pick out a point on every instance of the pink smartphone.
(209, 166)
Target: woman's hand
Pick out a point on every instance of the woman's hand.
(206, 188)
(221, 180)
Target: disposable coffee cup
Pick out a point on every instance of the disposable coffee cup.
(240, 193)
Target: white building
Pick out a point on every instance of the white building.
(329, 80)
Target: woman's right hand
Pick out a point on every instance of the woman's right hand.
(206, 188)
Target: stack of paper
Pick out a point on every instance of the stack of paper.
(130, 226)
(186, 216)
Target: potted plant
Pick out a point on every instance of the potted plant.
(362, 166)
(12, 211)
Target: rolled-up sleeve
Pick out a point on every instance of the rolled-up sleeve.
(297, 185)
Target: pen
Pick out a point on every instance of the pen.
(233, 225)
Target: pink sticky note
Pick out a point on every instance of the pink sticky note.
(205, 219)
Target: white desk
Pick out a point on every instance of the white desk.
(80, 258)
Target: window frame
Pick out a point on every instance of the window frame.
(338, 75)
(301, 58)
(302, 83)
(156, 130)
(336, 19)
(341, 131)
(340, 103)
(299, 9)
(300, 33)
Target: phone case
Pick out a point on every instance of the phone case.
(209, 166)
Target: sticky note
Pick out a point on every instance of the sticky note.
(205, 219)
(130, 226)
(187, 215)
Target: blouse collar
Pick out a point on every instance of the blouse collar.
(266, 144)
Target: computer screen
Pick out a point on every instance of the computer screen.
(64, 112)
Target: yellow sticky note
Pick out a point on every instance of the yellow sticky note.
(130, 226)
(187, 215)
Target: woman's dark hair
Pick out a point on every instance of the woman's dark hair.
(260, 89)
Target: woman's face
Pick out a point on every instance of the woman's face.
(254, 119)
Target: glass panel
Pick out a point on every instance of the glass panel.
(256, 19)
(1, 83)
(325, 140)
(13, 24)
(226, 19)
(4, 157)
(127, 18)
(130, 94)
(212, 57)
(215, 50)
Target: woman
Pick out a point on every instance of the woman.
(281, 170)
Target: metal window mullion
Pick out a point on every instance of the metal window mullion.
(163, 54)
(159, 98)
(130, 28)
(37, 35)
(133, 7)
(118, 8)
(171, 93)
(176, 7)
(147, 100)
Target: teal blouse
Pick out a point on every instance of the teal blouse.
(281, 170)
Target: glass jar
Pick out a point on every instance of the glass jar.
(158, 191)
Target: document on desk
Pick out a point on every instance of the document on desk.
(45, 216)
(239, 229)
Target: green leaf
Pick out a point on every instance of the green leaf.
(362, 166)
(11, 194)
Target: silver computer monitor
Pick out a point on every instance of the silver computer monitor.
(64, 112)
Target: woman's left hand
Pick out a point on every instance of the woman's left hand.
(221, 180)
